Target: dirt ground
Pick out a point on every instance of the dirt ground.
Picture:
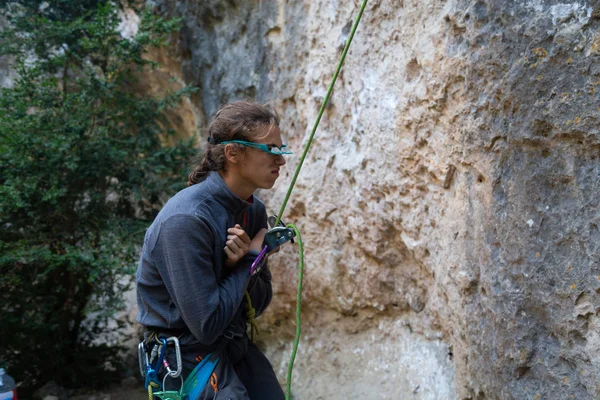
(130, 389)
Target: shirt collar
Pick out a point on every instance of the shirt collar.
(224, 195)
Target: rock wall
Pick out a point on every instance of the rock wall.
(449, 205)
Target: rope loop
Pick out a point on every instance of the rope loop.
(150, 386)
(250, 316)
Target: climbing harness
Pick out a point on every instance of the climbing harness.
(194, 384)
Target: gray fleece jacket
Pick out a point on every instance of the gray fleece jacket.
(182, 283)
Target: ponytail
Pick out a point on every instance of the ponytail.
(197, 175)
(213, 160)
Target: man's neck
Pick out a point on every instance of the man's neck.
(237, 186)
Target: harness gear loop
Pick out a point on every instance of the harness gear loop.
(150, 368)
(214, 383)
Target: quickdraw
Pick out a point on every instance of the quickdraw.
(150, 367)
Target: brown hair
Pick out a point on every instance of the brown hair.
(234, 121)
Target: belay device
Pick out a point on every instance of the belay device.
(276, 236)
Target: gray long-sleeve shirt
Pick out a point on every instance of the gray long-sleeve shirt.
(181, 280)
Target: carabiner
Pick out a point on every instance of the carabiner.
(176, 373)
(142, 359)
(162, 349)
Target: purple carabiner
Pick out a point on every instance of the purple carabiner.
(257, 262)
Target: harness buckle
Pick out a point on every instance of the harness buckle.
(229, 334)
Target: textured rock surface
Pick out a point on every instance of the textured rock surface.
(450, 202)
(449, 205)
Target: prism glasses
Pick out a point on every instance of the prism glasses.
(267, 148)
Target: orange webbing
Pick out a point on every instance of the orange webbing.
(214, 381)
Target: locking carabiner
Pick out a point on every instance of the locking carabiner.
(177, 372)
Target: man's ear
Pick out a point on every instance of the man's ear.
(232, 153)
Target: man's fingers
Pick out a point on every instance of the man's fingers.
(237, 244)
(230, 254)
(245, 238)
(235, 231)
(233, 246)
(239, 232)
(241, 244)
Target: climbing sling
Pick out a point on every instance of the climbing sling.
(195, 382)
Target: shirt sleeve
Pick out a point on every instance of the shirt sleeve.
(184, 257)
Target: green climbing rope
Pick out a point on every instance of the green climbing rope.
(288, 389)
(325, 101)
(250, 316)
(289, 192)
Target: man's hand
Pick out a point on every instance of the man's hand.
(237, 246)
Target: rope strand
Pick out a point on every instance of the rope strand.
(325, 101)
(289, 192)
(288, 389)
(250, 315)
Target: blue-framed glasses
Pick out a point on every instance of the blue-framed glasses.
(267, 148)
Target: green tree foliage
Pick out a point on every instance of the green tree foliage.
(83, 162)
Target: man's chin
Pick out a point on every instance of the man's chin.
(269, 184)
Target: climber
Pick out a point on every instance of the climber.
(193, 280)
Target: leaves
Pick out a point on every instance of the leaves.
(84, 164)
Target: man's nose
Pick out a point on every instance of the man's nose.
(280, 159)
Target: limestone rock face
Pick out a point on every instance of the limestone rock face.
(449, 204)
